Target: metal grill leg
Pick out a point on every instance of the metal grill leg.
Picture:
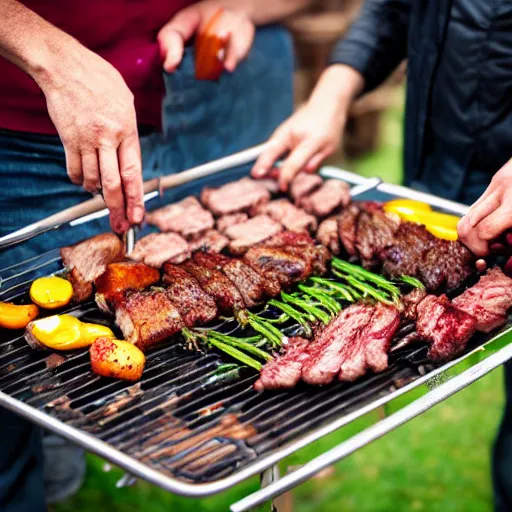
(268, 477)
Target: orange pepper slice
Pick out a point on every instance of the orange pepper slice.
(13, 316)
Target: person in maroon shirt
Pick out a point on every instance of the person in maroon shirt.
(81, 88)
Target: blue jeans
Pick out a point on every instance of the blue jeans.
(201, 121)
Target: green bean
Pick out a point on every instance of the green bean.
(236, 354)
(293, 313)
(327, 302)
(412, 281)
(241, 345)
(308, 308)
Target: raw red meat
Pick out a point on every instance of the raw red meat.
(488, 301)
(284, 371)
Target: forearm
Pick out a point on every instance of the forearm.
(30, 42)
(262, 12)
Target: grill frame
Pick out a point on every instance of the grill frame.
(461, 372)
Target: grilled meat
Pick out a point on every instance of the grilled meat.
(410, 303)
(147, 317)
(211, 241)
(82, 290)
(237, 196)
(331, 195)
(375, 232)
(226, 221)
(250, 233)
(291, 217)
(328, 235)
(91, 257)
(303, 185)
(284, 371)
(328, 351)
(217, 285)
(347, 224)
(194, 305)
(446, 327)
(187, 217)
(270, 184)
(119, 278)
(488, 301)
(157, 248)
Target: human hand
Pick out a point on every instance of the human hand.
(314, 132)
(491, 216)
(93, 110)
(234, 25)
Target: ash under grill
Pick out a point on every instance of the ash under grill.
(190, 416)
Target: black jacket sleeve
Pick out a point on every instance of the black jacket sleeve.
(377, 41)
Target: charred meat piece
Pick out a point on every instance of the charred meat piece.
(375, 232)
(447, 264)
(157, 248)
(331, 195)
(194, 305)
(121, 277)
(446, 327)
(303, 185)
(411, 243)
(347, 225)
(410, 303)
(226, 221)
(285, 370)
(328, 235)
(237, 196)
(187, 217)
(488, 301)
(148, 317)
(91, 257)
(252, 232)
(291, 217)
(211, 241)
(329, 349)
(278, 265)
(251, 285)
(217, 285)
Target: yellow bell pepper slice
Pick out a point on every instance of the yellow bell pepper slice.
(443, 232)
(406, 207)
(51, 292)
(13, 316)
(64, 332)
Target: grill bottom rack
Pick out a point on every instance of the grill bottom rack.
(194, 428)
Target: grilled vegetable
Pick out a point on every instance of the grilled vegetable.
(51, 292)
(117, 359)
(209, 46)
(63, 332)
(13, 316)
(406, 207)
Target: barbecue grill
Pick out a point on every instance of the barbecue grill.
(194, 425)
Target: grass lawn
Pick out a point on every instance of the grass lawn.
(438, 462)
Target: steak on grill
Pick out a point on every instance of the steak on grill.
(251, 232)
(82, 290)
(284, 371)
(237, 196)
(446, 327)
(232, 219)
(91, 257)
(410, 303)
(119, 278)
(187, 217)
(488, 301)
(217, 285)
(347, 224)
(375, 232)
(328, 235)
(194, 305)
(331, 195)
(329, 349)
(157, 248)
(291, 217)
(211, 241)
(304, 184)
(147, 317)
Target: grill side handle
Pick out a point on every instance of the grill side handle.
(421, 405)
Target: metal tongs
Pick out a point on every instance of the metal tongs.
(95, 207)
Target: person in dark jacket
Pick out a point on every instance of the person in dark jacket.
(458, 127)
